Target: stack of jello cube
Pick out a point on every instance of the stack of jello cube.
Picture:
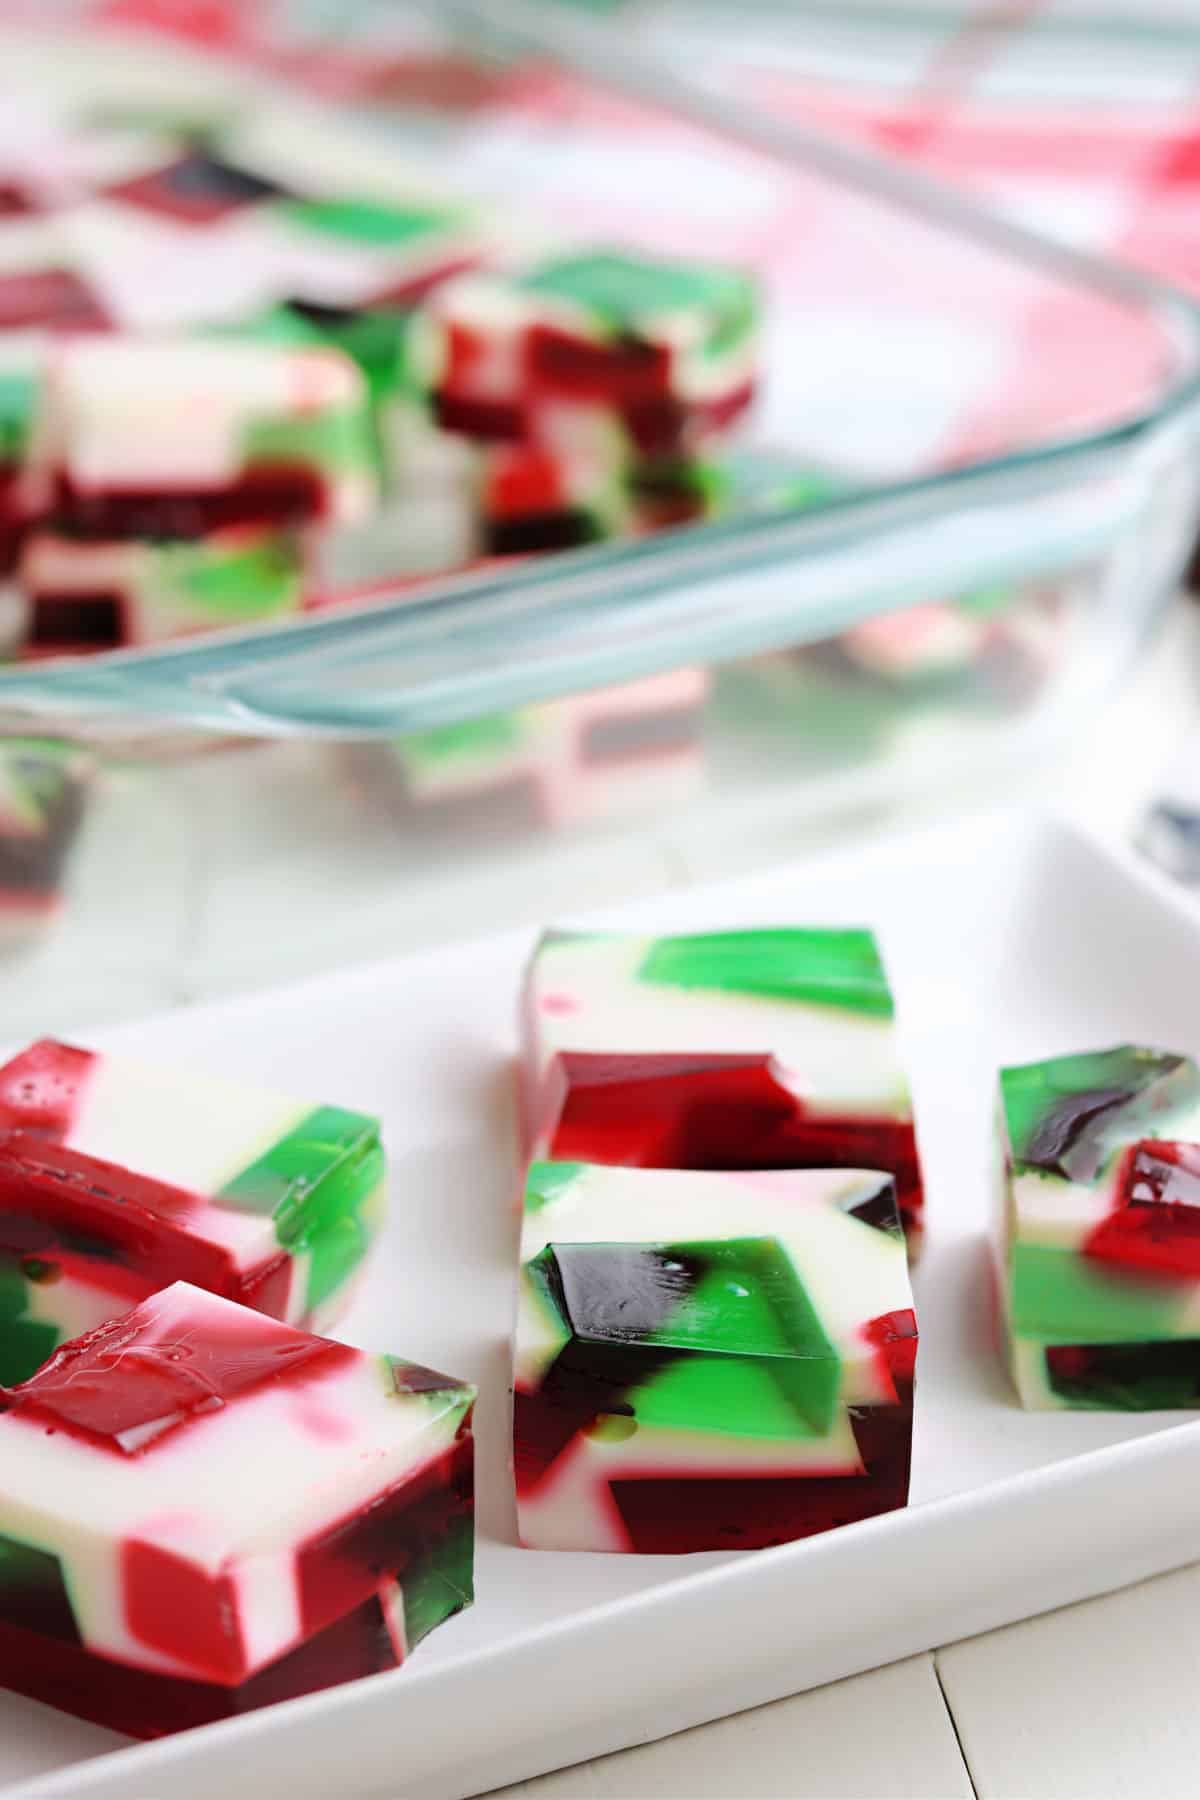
(716, 1340)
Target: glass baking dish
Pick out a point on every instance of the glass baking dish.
(968, 484)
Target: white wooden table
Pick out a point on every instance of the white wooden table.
(182, 895)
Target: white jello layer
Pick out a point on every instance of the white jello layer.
(113, 406)
(194, 1131)
(586, 997)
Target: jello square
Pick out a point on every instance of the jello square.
(771, 1048)
(709, 1361)
(85, 594)
(1098, 1165)
(119, 1177)
(203, 1510)
(44, 788)
(638, 744)
(632, 333)
(276, 435)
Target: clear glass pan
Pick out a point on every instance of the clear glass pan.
(993, 409)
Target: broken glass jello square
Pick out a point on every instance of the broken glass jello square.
(1100, 1282)
(670, 349)
(718, 1050)
(203, 1510)
(118, 1177)
(86, 594)
(709, 1361)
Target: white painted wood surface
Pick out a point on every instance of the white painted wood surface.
(1097, 1702)
(886, 1733)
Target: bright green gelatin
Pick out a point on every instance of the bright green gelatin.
(839, 968)
(1065, 1116)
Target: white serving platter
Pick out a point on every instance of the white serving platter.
(1006, 939)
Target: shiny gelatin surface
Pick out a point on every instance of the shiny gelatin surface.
(679, 1387)
(203, 1510)
(1102, 1254)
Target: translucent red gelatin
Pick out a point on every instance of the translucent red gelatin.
(149, 1705)
(368, 1585)
(166, 1377)
(1155, 1225)
(620, 372)
(493, 421)
(179, 1609)
(281, 495)
(50, 299)
(371, 1586)
(115, 1229)
(13, 520)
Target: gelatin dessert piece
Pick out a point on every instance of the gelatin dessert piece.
(374, 339)
(275, 436)
(203, 1510)
(677, 490)
(1099, 1168)
(12, 511)
(751, 1049)
(709, 1361)
(118, 1177)
(997, 644)
(44, 786)
(539, 497)
(84, 593)
(561, 762)
(670, 348)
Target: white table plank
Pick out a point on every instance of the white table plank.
(886, 1735)
(1098, 1700)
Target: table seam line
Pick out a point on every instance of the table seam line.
(962, 1749)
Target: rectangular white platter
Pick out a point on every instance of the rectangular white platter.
(1006, 939)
